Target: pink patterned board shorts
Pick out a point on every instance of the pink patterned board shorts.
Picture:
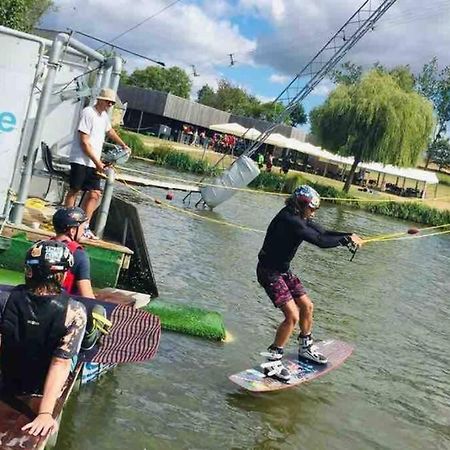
(280, 287)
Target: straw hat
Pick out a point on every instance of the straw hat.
(107, 94)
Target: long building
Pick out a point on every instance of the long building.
(157, 112)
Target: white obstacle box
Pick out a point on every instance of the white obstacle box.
(239, 175)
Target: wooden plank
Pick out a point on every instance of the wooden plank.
(17, 412)
(35, 235)
(139, 181)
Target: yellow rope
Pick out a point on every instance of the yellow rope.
(411, 237)
(383, 237)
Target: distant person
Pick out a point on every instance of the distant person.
(286, 165)
(269, 162)
(195, 138)
(42, 329)
(260, 160)
(85, 155)
(290, 227)
(69, 225)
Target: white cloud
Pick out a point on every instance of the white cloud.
(183, 35)
(279, 79)
(411, 32)
(323, 88)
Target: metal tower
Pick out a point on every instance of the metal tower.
(362, 21)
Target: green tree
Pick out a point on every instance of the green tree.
(236, 100)
(349, 73)
(434, 84)
(206, 95)
(173, 80)
(23, 15)
(297, 115)
(439, 153)
(374, 120)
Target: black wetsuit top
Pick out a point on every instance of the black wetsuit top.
(286, 232)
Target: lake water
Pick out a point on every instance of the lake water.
(392, 301)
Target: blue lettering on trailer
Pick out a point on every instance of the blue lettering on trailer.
(8, 121)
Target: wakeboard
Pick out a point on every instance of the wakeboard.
(301, 370)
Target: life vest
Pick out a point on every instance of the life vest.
(69, 280)
(32, 328)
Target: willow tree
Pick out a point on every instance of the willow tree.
(375, 119)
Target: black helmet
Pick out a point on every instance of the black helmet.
(66, 218)
(45, 258)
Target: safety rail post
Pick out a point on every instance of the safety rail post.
(103, 212)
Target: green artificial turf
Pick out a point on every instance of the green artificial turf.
(188, 319)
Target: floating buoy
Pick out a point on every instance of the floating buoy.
(169, 196)
(158, 202)
(413, 231)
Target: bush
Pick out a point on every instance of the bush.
(133, 141)
(411, 211)
(444, 178)
(292, 181)
(277, 182)
(166, 155)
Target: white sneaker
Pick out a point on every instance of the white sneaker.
(275, 369)
(312, 354)
(307, 350)
(88, 234)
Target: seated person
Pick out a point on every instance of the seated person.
(42, 330)
(70, 224)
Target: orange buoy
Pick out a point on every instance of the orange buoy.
(158, 202)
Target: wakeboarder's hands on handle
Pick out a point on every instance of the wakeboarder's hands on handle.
(357, 240)
(42, 425)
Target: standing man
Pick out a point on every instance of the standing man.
(290, 227)
(69, 225)
(85, 156)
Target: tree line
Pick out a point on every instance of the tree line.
(388, 116)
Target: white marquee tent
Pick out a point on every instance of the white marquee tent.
(305, 147)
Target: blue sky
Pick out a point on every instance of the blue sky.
(271, 40)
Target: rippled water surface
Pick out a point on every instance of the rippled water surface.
(392, 302)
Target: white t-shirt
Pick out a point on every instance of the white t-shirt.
(96, 126)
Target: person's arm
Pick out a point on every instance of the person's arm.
(56, 377)
(89, 151)
(59, 370)
(323, 231)
(112, 134)
(329, 238)
(82, 272)
(315, 236)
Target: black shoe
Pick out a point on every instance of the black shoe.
(273, 353)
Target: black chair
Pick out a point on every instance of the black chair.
(47, 159)
(53, 172)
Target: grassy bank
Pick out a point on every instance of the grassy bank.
(192, 160)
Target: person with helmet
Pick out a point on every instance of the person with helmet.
(69, 225)
(290, 227)
(41, 330)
